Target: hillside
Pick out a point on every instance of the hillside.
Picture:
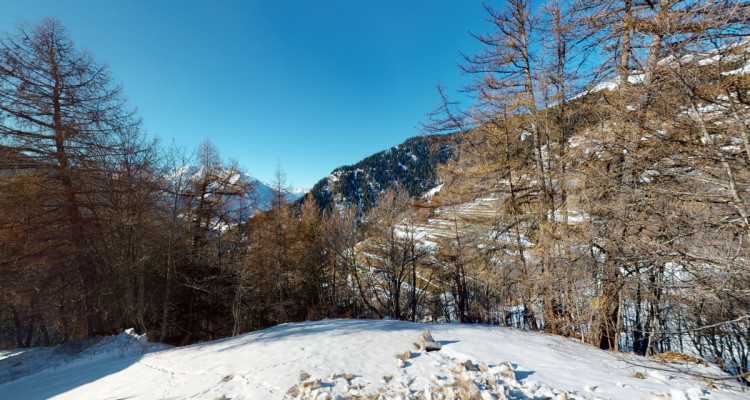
(409, 166)
(338, 359)
(619, 216)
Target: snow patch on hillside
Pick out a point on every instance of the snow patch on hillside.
(609, 85)
(432, 192)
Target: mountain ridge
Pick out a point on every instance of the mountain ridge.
(410, 165)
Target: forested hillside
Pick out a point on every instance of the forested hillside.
(410, 167)
(619, 177)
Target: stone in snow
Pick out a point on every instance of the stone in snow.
(426, 342)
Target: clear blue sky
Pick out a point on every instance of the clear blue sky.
(307, 84)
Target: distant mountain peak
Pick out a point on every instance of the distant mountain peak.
(262, 191)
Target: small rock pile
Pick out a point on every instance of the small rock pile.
(464, 381)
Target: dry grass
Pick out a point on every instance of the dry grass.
(675, 357)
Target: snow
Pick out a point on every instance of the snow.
(610, 85)
(740, 71)
(340, 358)
(432, 192)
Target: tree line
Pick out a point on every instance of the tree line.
(103, 228)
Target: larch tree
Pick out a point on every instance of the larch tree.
(341, 235)
(58, 107)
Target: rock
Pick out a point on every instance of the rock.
(227, 378)
(445, 392)
(459, 369)
(348, 376)
(323, 396)
(467, 365)
(467, 389)
(508, 373)
(483, 367)
(310, 386)
(404, 356)
(426, 341)
(293, 391)
(506, 370)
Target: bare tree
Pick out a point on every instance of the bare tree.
(59, 106)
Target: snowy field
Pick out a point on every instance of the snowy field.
(350, 359)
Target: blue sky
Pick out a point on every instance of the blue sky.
(308, 85)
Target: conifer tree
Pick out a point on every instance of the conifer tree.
(60, 108)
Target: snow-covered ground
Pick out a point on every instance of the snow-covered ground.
(349, 359)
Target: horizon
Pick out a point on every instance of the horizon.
(309, 87)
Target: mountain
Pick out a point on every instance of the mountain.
(353, 359)
(410, 166)
(264, 191)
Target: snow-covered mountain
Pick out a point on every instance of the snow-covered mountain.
(352, 359)
(262, 193)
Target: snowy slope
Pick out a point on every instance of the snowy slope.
(267, 364)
